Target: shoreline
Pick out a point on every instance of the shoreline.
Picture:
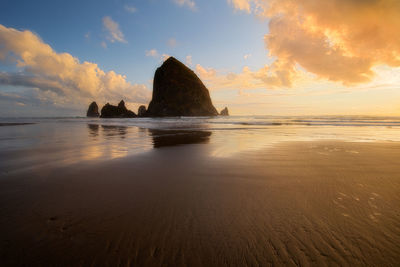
(15, 123)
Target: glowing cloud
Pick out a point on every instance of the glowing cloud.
(204, 73)
(114, 34)
(216, 80)
(241, 4)
(339, 40)
(60, 77)
(164, 57)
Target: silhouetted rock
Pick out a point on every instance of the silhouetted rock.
(120, 111)
(93, 110)
(224, 112)
(177, 91)
(142, 111)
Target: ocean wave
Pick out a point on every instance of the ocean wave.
(225, 122)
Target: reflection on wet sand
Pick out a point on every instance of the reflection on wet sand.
(112, 141)
(107, 130)
(93, 130)
(112, 130)
(163, 138)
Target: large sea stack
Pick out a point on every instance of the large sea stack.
(93, 110)
(120, 111)
(177, 91)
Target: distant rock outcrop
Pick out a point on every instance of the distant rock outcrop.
(142, 111)
(224, 112)
(93, 110)
(120, 111)
(177, 91)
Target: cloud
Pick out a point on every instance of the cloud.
(338, 40)
(217, 80)
(189, 60)
(204, 73)
(130, 9)
(241, 5)
(60, 77)
(188, 3)
(172, 42)
(276, 75)
(114, 34)
(247, 56)
(164, 57)
(152, 53)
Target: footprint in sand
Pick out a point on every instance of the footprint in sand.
(372, 203)
(373, 218)
(340, 199)
(343, 198)
(352, 152)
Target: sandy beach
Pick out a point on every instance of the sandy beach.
(302, 203)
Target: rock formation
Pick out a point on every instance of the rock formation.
(177, 91)
(93, 110)
(142, 111)
(120, 111)
(224, 112)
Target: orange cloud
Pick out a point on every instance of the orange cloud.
(60, 76)
(339, 40)
(247, 79)
(241, 4)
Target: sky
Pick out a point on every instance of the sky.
(257, 57)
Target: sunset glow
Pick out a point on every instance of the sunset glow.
(199, 133)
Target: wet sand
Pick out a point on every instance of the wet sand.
(296, 203)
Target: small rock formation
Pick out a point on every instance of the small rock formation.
(224, 112)
(93, 110)
(177, 91)
(142, 111)
(120, 111)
